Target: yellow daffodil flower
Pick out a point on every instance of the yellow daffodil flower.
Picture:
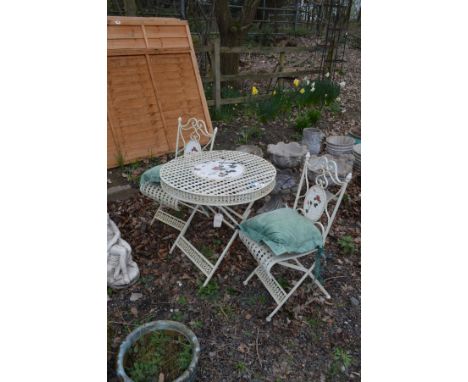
(296, 82)
(302, 91)
(254, 90)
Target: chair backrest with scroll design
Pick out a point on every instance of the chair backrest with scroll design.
(195, 129)
(320, 204)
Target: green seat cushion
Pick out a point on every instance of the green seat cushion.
(151, 175)
(283, 231)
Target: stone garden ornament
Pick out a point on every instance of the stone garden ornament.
(122, 271)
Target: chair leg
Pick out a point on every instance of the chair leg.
(316, 282)
(154, 217)
(246, 281)
(320, 286)
(293, 289)
(298, 284)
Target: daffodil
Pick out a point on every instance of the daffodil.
(342, 84)
(254, 90)
(338, 99)
(327, 75)
(296, 82)
(302, 91)
(274, 92)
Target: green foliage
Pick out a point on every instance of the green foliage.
(177, 316)
(317, 92)
(198, 324)
(335, 107)
(302, 122)
(232, 292)
(307, 119)
(247, 135)
(347, 244)
(207, 251)
(240, 366)
(226, 310)
(314, 324)
(313, 116)
(343, 357)
(210, 291)
(226, 112)
(283, 282)
(182, 300)
(120, 159)
(158, 352)
(340, 363)
(278, 104)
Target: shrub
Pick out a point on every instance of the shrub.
(308, 119)
(302, 122)
(318, 92)
(278, 103)
(313, 116)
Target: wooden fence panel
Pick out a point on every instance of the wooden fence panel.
(152, 79)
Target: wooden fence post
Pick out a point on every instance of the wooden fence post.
(217, 73)
(281, 68)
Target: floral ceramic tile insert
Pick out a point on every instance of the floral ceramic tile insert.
(315, 202)
(219, 170)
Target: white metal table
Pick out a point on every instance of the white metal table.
(216, 180)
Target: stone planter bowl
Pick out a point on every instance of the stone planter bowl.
(251, 149)
(188, 375)
(287, 155)
(339, 145)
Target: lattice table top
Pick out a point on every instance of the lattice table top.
(218, 178)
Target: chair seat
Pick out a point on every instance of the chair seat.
(283, 231)
(259, 251)
(154, 191)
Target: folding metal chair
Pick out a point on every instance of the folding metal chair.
(322, 213)
(194, 129)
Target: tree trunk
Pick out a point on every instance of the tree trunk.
(232, 32)
(130, 7)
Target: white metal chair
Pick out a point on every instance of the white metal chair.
(194, 129)
(319, 205)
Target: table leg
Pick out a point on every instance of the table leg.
(187, 224)
(245, 215)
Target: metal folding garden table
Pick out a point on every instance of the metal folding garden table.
(214, 181)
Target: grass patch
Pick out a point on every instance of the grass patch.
(247, 135)
(210, 292)
(340, 364)
(177, 316)
(346, 244)
(307, 119)
(283, 282)
(207, 252)
(240, 366)
(198, 324)
(314, 325)
(182, 300)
